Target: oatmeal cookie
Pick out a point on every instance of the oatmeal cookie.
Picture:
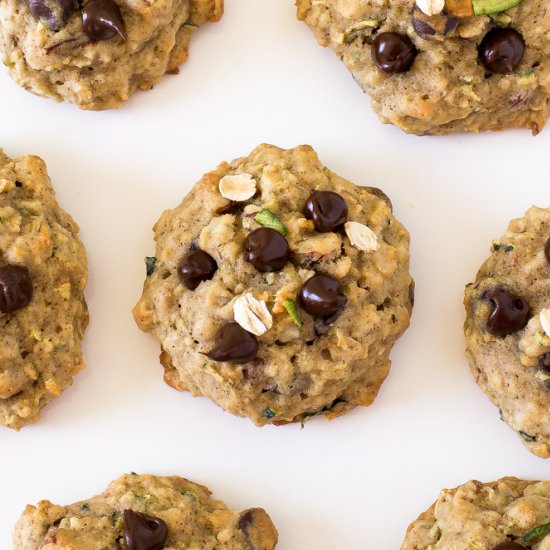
(508, 514)
(278, 288)
(443, 66)
(96, 53)
(43, 272)
(508, 328)
(145, 512)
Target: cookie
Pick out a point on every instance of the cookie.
(443, 66)
(278, 288)
(96, 53)
(43, 273)
(508, 514)
(139, 512)
(508, 328)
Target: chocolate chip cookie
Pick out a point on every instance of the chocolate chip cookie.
(145, 512)
(443, 66)
(278, 288)
(508, 514)
(43, 273)
(508, 328)
(96, 53)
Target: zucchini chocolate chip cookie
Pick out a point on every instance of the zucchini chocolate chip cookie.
(278, 288)
(43, 272)
(508, 514)
(508, 328)
(96, 53)
(145, 512)
(443, 66)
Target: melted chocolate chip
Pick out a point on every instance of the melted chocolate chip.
(322, 296)
(102, 20)
(143, 532)
(510, 312)
(393, 52)
(52, 13)
(327, 209)
(15, 288)
(547, 250)
(502, 50)
(509, 546)
(233, 344)
(266, 249)
(195, 267)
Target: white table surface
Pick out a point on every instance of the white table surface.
(355, 483)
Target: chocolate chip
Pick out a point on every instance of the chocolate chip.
(322, 296)
(266, 249)
(52, 13)
(501, 51)
(195, 267)
(327, 209)
(510, 312)
(509, 546)
(393, 52)
(233, 344)
(411, 293)
(547, 250)
(544, 363)
(429, 26)
(102, 20)
(143, 532)
(15, 288)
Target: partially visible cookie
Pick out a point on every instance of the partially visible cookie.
(96, 53)
(508, 328)
(145, 512)
(443, 66)
(278, 288)
(508, 514)
(43, 272)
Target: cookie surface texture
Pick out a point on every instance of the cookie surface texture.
(43, 272)
(508, 330)
(434, 67)
(283, 301)
(508, 514)
(145, 511)
(97, 53)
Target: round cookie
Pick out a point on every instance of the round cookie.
(43, 272)
(138, 512)
(96, 53)
(278, 288)
(508, 328)
(433, 67)
(508, 514)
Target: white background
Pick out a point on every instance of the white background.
(355, 483)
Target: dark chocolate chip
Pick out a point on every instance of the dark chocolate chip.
(544, 363)
(430, 26)
(195, 267)
(327, 209)
(509, 546)
(15, 288)
(143, 532)
(411, 293)
(53, 13)
(233, 344)
(102, 20)
(322, 296)
(510, 312)
(501, 50)
(393, 52)
(547, 250)
(266, 249)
